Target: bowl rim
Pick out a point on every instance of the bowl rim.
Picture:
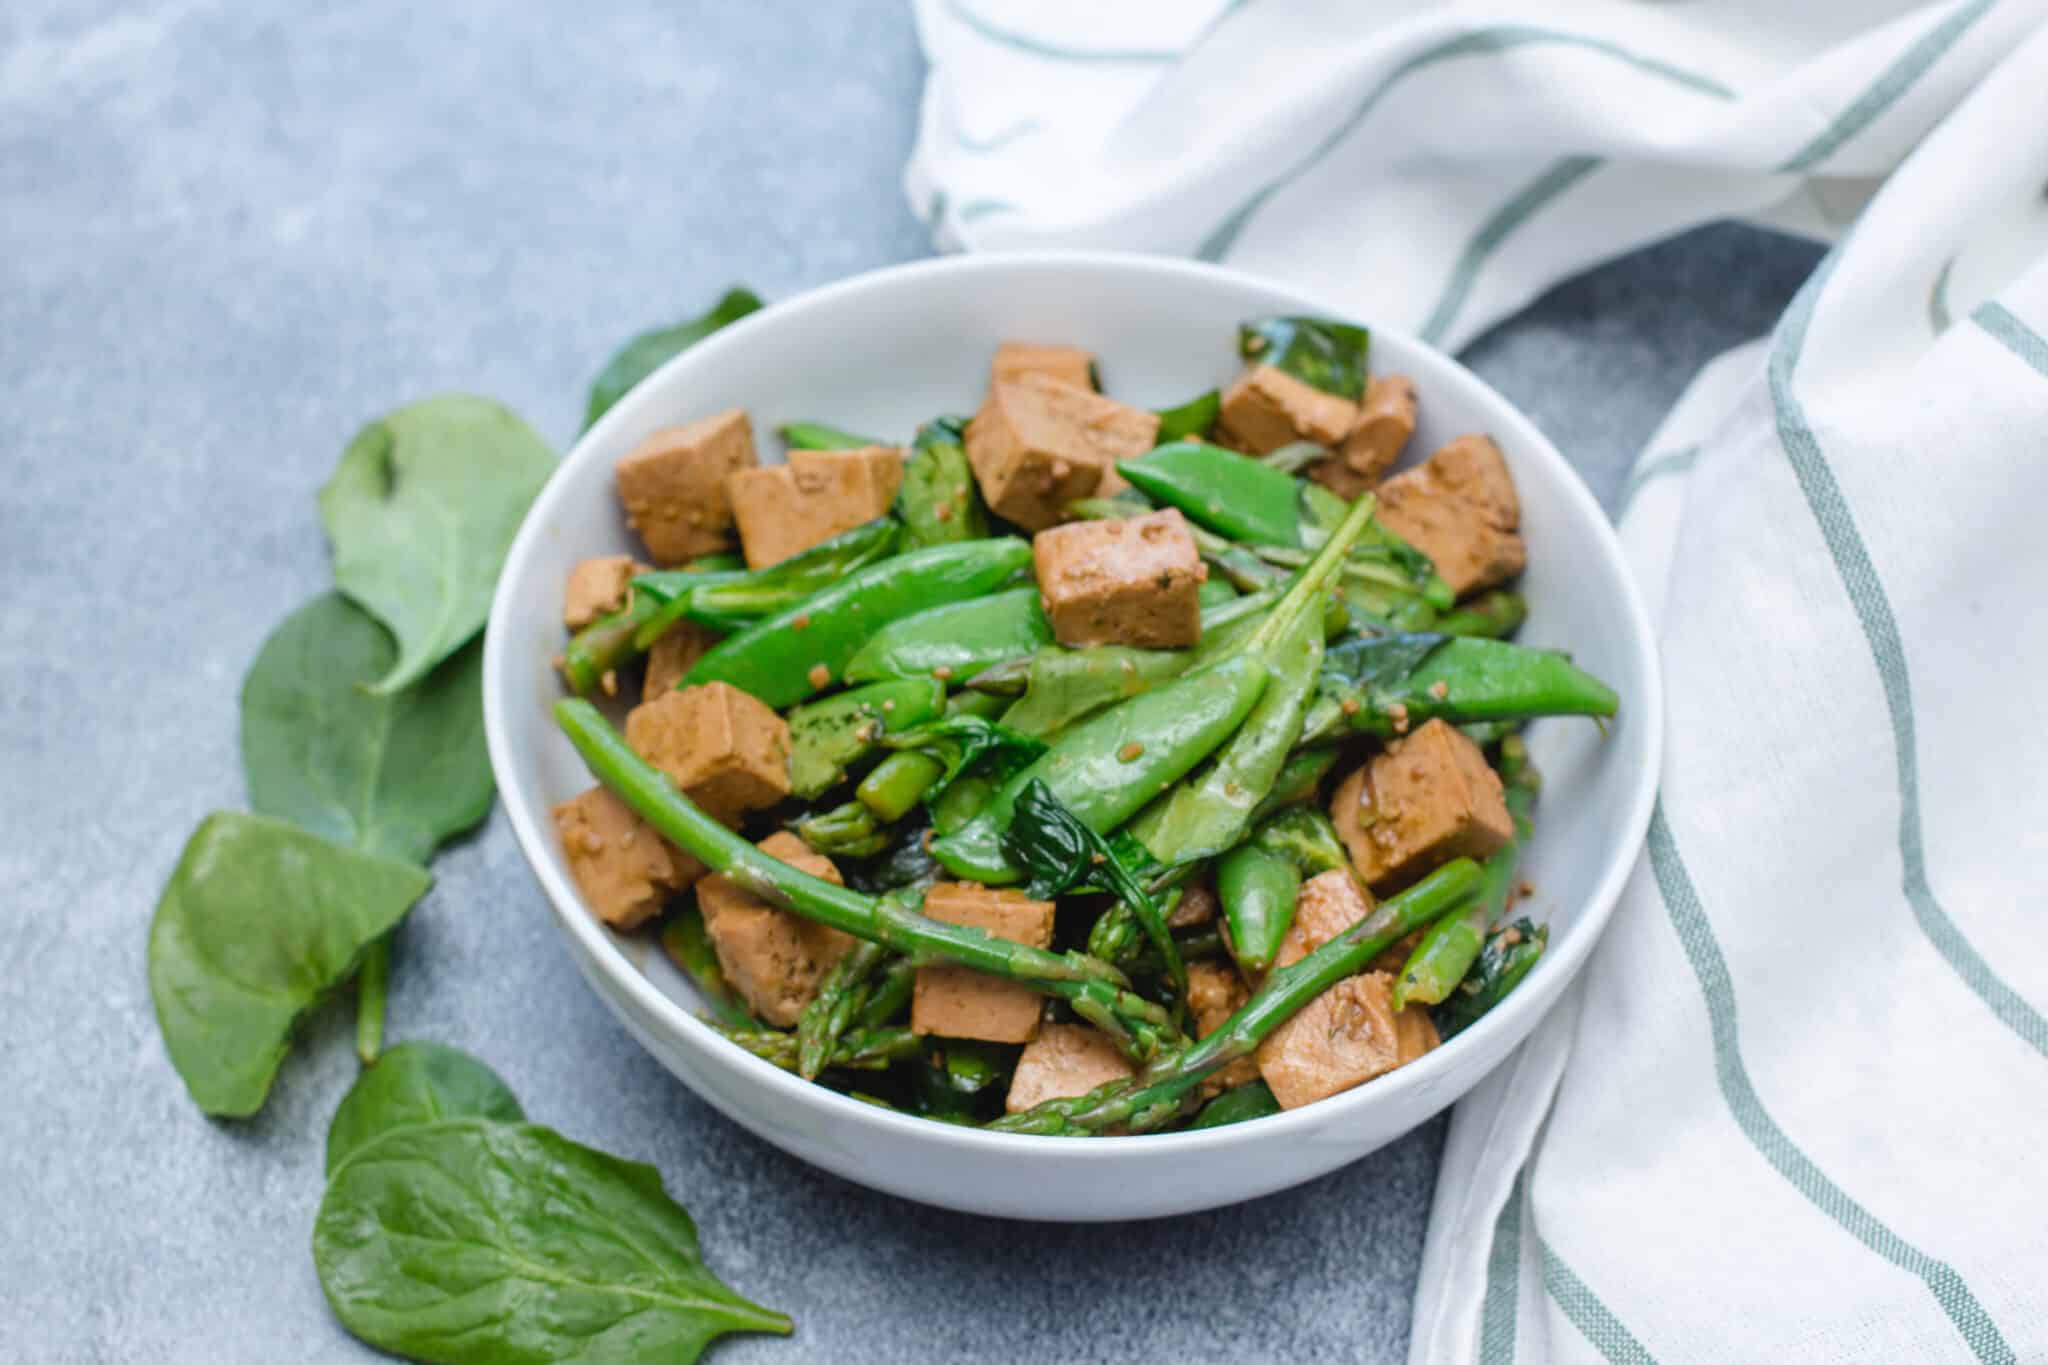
(605, 954)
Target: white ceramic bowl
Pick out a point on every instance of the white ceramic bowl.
(885, 351)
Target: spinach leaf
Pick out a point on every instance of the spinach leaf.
(1192, 420)
(472, 1241)
(1321, 352)
(415, 1083)
(392, 774)
(649, 351)
(421, 510)
(258, 922)
(1058, 852)
(1380, 661)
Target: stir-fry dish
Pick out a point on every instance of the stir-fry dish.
(1078, 769)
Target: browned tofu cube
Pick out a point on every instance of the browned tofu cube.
(673, 485)
(1344, 1037)
(1131, 582)
(674, 652)
(623, 868)
(1340, 478)
(785, 508)
(1328, 904)
(958, 1002)
(1215, 992)
(1198, 905)
(1038, 444)
(1394, 956)
(1426, 799)
(1386, 419)
(1068, 364)
(727, 751)
(773, 958)
(598, 587)
(1459, 508)
(1266, 408)
(1063, 1061)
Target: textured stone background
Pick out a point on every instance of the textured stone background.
(231, 233)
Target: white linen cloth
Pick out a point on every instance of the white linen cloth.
(1793, 1111)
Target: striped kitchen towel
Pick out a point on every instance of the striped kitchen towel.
(1792, 1111)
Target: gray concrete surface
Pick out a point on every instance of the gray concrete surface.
(228, 235)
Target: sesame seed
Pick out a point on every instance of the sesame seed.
(1130, 752)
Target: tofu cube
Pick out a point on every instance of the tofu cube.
(1344, 1037)
(674, 652)
(1266, 408)
(673, 485)
(786, 508)
(1424, 800)
(958, 1002)
(773, 958)
(598, 587)
(623, 868)
(1459, 508)
(1067, 364)
(1215, 992)
(1198, 904)
(727, 751)
(1340, 478)
(1132, 582)
(1037, 444)
(1386, 419)
(1063, 1061)
(1327, 904)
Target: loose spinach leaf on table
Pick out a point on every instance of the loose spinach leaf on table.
(392, 774)
(472, 1241)
(1320, 352)
(414, 1083)
(259, 921)
(649, 351)
(421, 510)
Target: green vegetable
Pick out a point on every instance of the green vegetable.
(611, 642)
(1214, 592)
(961, 740)
(863, 1049)
(1083, 982)
(373, 988)
(1443, 955)
(818, 436)
(840, 996)
(1385, 685)
(828, 736)
(782, 662)
(1192, 420)
(1300, 779)
(421, 510)
(473, 1241)
(939, 502)
(961, 1080)
(687, 944)
(1104, 769)
(1052, 845)
(955, 641)
(735, 601)
(258, 922)
(649, 351)
(1221, 490)
(845, 831)
(1258, 888)
(393, 773)
(1321, 352)
(1305, 835)
(415, 1083)
(1506, 958)
(1253, 1100)
(1496, 614)
(1157, 1094)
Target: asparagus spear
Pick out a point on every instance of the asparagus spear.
(860, 1050)
(840, 996)
(1094, 989)
(1507, 957)
(1157, 1094)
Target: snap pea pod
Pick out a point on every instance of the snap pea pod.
(1391, 684)
(1220, 490)
(1253, 1100)
(939, 502)
(1106, 768)
(1446, 952)
(956, 641)
(1209, 811)
(828, 736)
(738, 600)
(1495, 615)
(1194, 419)
(1138, 1025)
(1258, 888)
(606, 644)
(896, 784)
(804, 648)
(1301, 777)
(818, 436)
(1509, 954)
(689, 947)
(845, 831)
(1157, 1094)
(841, 994)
